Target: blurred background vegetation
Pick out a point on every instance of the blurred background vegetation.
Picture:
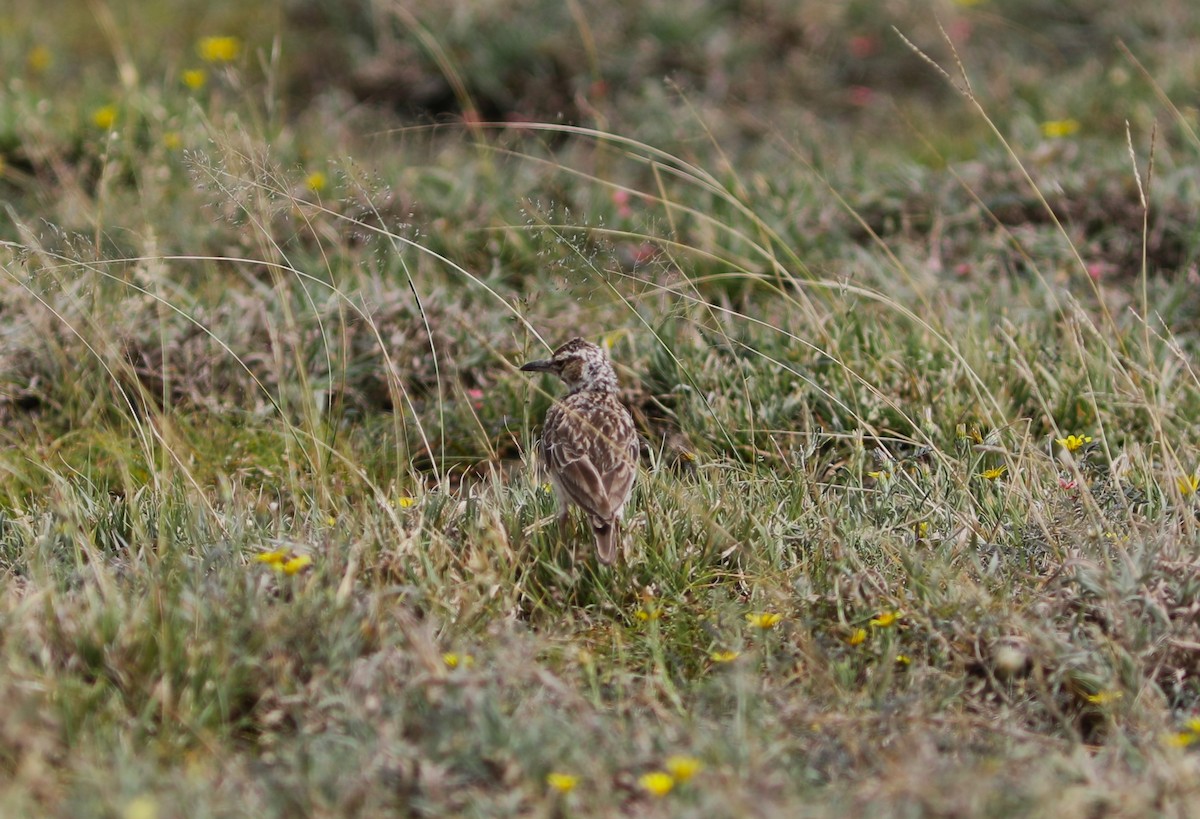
(756, 84)
(755, 138)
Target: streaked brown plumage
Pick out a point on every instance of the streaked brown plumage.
(589, 444)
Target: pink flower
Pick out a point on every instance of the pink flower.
(959, 31)
(863, 45)
(644, 253)
(860, 96)
(620, 198)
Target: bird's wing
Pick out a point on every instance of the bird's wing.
(593, 453)
(582, 483)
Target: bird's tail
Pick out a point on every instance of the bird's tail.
(608, 536)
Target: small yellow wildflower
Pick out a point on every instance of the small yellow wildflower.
(763, 619)
(724, 656)
(903, 659)
(275, 558)
(885, 619)
(105, 117)
(923, 530)
(880, 474)
(1059, 128)
(657, 783)
(1188, 484)
(1073, 442)
(612, 338)
(561, 782)
(454, 660)
(857, 637)
(1189, 736)
(296, 564)
(1104, 697)
(648, 613)
(993, 473)
(141, 807)
(39, 59)
(1182, 739)
(683, 767)
(195, 78)
(405, 502)
(219, 49)
(547, 488)
(316, 182)
(172, 140)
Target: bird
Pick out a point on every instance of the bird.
(589, 444)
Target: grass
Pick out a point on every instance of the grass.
(868, 572)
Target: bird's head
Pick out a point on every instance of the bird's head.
(580, 364)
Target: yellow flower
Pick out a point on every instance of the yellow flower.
(283, 561)
(651, 613)
(296, 564)
(1104, 697)
(763, 619)
(275, 558)
(994, 473)
(1193, 725)
(885, 619)
(547, 488)
(903, 659)
(857, 637)
(316, 182)
(657, 783)
(561, 782)
(39, 59)
(683, 767)
(1188, 484)
(724, 656)
(883, 473)
(923, 530)
(975, 434)
(612, 338)
(140, 807)
(195, 78)
(1058, 128)
(454, 660)
(1182, 739)
(172, 141)
(105, 117)
(405, 502)
(219, 49)
(1074, 442)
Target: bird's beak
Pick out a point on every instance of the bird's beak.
(544, 366)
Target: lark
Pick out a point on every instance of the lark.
(589, 444)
